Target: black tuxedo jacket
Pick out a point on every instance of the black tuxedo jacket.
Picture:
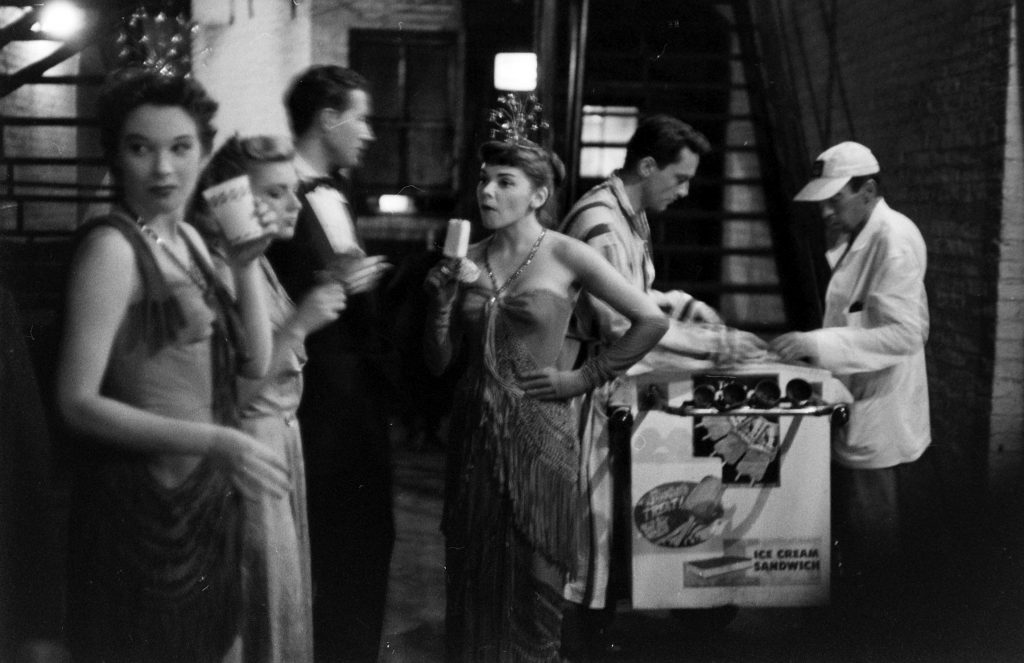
(296, 262)
(344, 406)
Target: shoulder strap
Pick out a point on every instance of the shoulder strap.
(162, 317)
(153, 280)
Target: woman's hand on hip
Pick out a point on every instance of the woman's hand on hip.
(551, 384)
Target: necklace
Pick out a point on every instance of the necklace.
(515, 275)
(191, 272)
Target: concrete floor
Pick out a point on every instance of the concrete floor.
(414, 623)
(984, 623)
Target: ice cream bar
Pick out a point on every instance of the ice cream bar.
(456, 242)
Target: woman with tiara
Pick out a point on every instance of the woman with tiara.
(513, 495)
(146, 381)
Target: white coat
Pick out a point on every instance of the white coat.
(873, 336)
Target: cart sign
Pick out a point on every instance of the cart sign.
(732, 506)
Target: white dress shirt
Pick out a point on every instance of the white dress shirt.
(332, 209)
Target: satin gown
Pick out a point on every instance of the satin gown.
(154, 563)
(279, 604)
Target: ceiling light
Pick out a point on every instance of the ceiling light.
(61, 20)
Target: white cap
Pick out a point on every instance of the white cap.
(834, 168)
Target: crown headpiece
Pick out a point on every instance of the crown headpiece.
(160, 42)
(517, 119)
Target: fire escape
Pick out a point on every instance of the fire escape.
(736, 241)
(46, 177)
(53, 57)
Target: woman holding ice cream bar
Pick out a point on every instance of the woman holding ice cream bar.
(456, 245)
(512, 498)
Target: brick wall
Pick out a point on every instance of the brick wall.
(332, 19)
(246, 53)
(924, 84)
(1006, 442)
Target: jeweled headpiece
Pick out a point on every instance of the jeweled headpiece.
(517, 119)
(160, 42)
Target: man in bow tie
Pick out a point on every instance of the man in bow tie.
(343, 414)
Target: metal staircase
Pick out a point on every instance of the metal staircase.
(43, 82)
(733, 242)
(52, 175)
(782, 166)
(43, 177)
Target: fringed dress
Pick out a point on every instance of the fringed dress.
(513, 497)
(154, 569)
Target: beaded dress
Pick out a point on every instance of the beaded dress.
(512, 490)
(513, 500)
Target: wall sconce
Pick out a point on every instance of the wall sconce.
(515, 72)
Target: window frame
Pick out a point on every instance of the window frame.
(427, 196)
(603, 111)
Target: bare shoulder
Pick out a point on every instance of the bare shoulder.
(104, 265)
(569, 249)
(578, 257)
(105, 246)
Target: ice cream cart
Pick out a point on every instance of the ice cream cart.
(729, 498)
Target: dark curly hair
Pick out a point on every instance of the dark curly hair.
(542, 167)
(128, 89)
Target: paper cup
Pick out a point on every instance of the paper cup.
(234, 208)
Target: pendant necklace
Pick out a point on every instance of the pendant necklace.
(515, 275)
(192, 272)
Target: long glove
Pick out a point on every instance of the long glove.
(442, 287)
(721, 344)
(552, 384)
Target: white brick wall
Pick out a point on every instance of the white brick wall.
(332, 19)
(926, 86)
(247, 59)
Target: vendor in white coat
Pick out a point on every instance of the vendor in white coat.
(873, 337)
